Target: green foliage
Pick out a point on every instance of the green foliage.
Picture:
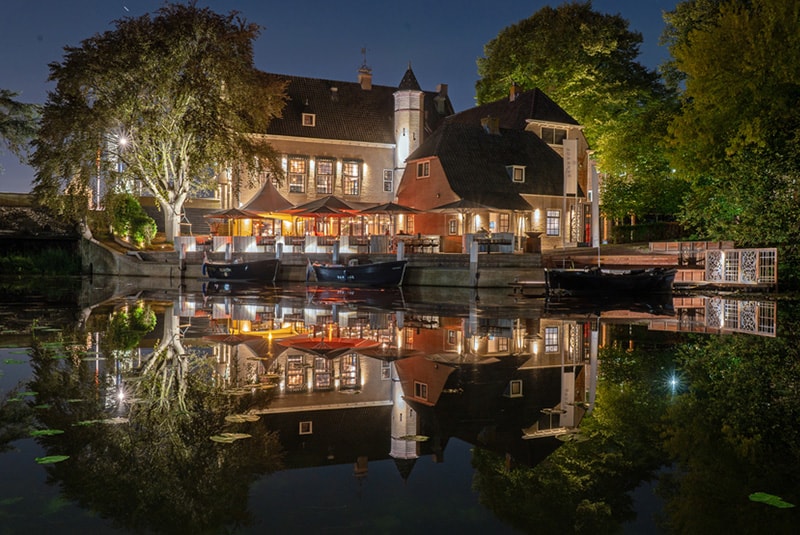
(127, 327)
(129, 220)
(17, 122)
(736, 138)
(586, 62)
(164, 99)
(49, 261)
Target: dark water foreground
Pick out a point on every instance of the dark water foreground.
(133, 406)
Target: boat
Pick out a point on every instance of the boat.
(240, 270)
(378, 274)
(598, 281)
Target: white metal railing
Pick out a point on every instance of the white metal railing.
(742, 266)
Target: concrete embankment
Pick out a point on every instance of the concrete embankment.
(431, 269)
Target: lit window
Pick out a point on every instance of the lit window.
(351, 177)
(553, 224)
(517, 173)
(325, 175)
(553, 136)
(452, 226)
(551, 339)
(298, 172)
(420, 390)
(309, 119)
(423, 169)
(388, 180)
(503, 222)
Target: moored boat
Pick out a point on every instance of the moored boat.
(597, 281)
(383, 274)
(252, 270)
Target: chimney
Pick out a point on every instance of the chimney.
(491, 125)
(365, 78)
(440, 98)
(334, 94)
(514, 92)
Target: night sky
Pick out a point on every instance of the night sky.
(442, 40)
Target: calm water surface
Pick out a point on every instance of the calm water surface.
(138, 406)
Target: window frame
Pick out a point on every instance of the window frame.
(388, 180)
(549, 135)
(552, 222)
(293, 175)
(331, 177)
(309, 119)
(424, 169)
(353, 180)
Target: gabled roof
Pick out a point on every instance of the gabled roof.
(344, 111)
(476, 164)
(514, 114)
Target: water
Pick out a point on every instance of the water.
(460, 410)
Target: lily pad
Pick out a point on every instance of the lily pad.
(770, 499)
(227, 438)
(241, 418)
(50, 459)
(14, 361)
(415, 438)
(45, 432)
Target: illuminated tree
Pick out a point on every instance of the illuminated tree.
(586, 62)
(170, 100)
(17, 122)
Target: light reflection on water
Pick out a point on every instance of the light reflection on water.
(383, 442)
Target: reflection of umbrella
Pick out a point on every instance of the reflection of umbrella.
(458, 358)
(391, 209)
(328, 347)
(389, 353)
(258, 345)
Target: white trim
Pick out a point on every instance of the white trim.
(301, 139)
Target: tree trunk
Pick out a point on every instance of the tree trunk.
(172, 220)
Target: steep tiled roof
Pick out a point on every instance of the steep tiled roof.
(476, 163)
(528, 105)
(345, 111)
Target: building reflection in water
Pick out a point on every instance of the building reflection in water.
(514, 379)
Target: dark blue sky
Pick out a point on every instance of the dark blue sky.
(442, 40)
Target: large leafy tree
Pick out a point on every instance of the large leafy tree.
(170, 100)
(586, 62)
(736, 137)
(17, 122)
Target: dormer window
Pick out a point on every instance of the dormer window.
(516, 172)
(423, 169)
(309, 119)
(553, 136)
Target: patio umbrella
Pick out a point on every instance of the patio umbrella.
(232, 214)
(461, 206)
(328, 206)
(327, 347)
(391, 209)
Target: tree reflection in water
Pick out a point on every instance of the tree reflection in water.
(146, 460)
(157, 470)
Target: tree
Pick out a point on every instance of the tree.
(171, 100)
(736, 138)
(17, 122)
(586, 62)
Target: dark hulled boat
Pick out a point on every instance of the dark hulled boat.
(254, 270)
(597, 281)
(383, 274)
